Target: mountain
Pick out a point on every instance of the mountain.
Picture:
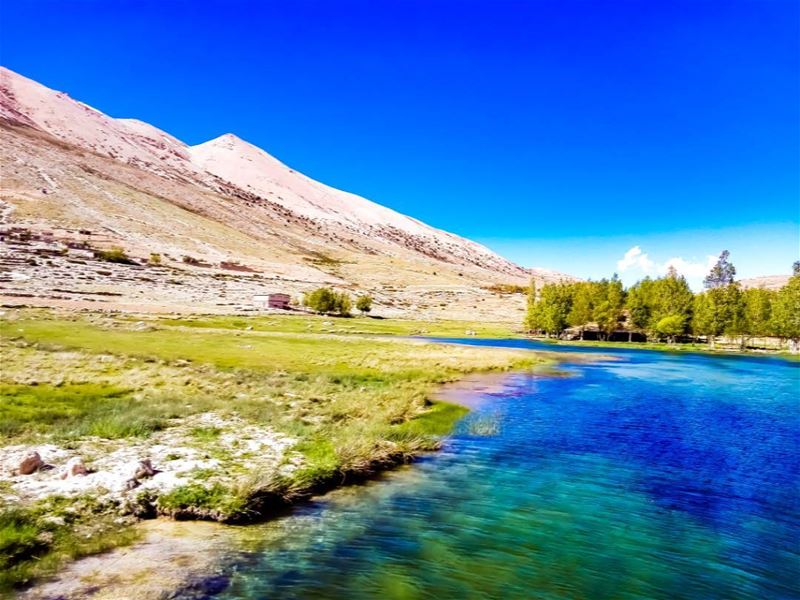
(769, 282)
(226, 219)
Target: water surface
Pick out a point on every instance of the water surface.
(654, 475)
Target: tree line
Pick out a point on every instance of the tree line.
(665, 308)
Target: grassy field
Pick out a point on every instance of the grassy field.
(302, 323)
(353, 404)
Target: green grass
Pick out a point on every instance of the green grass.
(36, 540)
(206, 434)
(355, 392)
(84, 408)
(197, 500)
(438, 420)
(347, 326)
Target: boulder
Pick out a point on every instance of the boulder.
(30, 463)
(74, 468)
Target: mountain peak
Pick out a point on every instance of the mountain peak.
(228, 141)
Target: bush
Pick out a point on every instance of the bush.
(155, 258)
(364, 303)
(115, 255)
(671, 326)
(326, 301)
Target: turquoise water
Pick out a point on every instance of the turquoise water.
(650, 476)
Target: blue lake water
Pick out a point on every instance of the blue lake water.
(654, 475)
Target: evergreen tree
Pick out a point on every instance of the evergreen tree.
(722, 273)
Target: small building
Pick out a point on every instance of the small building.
(280, 301)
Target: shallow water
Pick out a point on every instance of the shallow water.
(655, 475)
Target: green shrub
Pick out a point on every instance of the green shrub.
(326, 301)
(115, 255)
(364, 303)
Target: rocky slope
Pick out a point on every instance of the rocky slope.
(769, 282)
(76, 180)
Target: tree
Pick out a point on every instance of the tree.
(718, 311)
(720, 306)
(786, 313)
(639, 307)
(796, 267)
(364, 303)
(343, 304)
(670, 296)
(671, 327)
(321, 300)
(326, 301)
(581, 312)
(532, 320)
(722, 273)
(757, 312)
(553, 307)
(608, 314)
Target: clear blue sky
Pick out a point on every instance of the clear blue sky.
(672, 126)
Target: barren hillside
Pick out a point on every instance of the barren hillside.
(226, 219)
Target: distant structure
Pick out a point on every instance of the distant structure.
(280, 301)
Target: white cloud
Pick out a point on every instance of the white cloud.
(638, 263)
(635, 259)
(688, 268)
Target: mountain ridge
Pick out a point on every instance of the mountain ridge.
(68, 165)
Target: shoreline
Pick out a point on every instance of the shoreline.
(689, 347)
(208, 448)
(189, 556)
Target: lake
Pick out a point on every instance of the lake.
(652, 475)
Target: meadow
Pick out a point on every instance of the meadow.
(352, 400)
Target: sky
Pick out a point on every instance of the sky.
(579, 135)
